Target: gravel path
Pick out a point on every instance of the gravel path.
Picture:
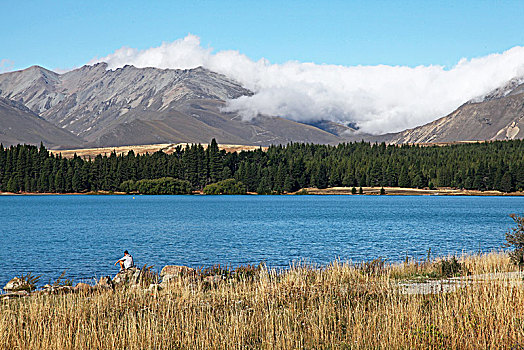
(451, 284)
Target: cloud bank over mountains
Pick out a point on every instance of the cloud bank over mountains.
(377, 99)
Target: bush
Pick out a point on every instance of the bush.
(29, 282)
(515, 240)
(373, 267)
(451, 267)
(164, 185)
(228, 186)
(62, 281)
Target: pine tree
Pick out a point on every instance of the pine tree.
(215, 162)
(506, 183)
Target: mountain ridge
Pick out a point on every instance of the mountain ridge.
(498, 115)
(136, 106)
(149, 105)
(18, 125)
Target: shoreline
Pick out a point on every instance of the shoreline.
(340, 191)
(438, 303)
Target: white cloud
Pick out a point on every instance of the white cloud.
(376, 98)
(6, 65)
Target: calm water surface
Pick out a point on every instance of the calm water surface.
(85, 235)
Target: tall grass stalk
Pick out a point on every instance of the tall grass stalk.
(341, 306)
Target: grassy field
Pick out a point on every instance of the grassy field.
(167, 148)
(341, 306)
(402, 191)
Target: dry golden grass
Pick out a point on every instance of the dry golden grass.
(167, 148)
(403, 191)
(337, 307)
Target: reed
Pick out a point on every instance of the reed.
(340, 306)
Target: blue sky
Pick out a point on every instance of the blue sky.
(65, 34)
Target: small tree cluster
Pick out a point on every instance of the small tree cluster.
(228, 186)
(515, 240)
(164, 185)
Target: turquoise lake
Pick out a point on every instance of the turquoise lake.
(85, 235)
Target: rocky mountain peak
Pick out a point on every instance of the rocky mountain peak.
(513, 87)
(131, 105)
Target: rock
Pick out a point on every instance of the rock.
(105, 283)
(17, 294)
(17, 284)
(171, 272)
(128, 276)
(83, 288)
(59, 290)
(64, 289)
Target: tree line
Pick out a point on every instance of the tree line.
(495, 165)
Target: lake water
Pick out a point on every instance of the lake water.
(85, 235)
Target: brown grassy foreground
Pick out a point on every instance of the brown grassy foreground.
(342, 306)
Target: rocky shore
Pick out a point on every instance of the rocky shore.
(20, 287)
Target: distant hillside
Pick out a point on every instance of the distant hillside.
(18, 124)
(97, 107)
(497, 116)
(130, 106)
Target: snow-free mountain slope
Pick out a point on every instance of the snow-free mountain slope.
(18, 124)
(133, 105)
(498, 115)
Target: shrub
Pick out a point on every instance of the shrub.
(164, 185)
(228, 186)
(373, 267)
(128, 186)
(62, 281)
(29, 282)
(451, 267)
(302, 192)
(515, 240)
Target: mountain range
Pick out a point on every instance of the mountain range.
(499, 115)
(94, 107)
(129, 106)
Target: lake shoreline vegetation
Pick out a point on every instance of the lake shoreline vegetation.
(330, 191)
(373, 304)
(496, 166)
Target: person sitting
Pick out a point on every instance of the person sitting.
(126, 261)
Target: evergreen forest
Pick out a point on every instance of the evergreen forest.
(495, 165)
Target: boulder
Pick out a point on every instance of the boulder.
(58, 290)
(64, 290)
(83, 288)
(17, 284)
(105, 283)
(17, 294)
(128, 276)
(171, 272)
